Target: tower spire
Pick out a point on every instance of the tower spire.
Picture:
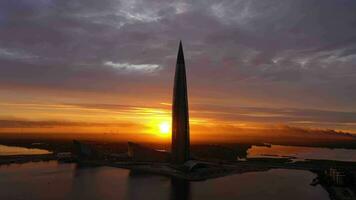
(180, 114)
(180, 56)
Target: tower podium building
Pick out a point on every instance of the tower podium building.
(180, 114)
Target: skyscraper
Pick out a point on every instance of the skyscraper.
(180, 115)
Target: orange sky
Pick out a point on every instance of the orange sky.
(130, 122)
(147, 115)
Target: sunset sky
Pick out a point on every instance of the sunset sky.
(108, 65)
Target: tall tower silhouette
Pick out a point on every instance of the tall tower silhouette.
(180, 115)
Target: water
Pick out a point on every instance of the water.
(10, 150)
(302, 153)
(50, 180)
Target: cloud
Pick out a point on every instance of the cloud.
(327, 119)
(15, 54)
(277, 53)
(132, 67)
(43, 124)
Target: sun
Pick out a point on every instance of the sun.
(164, 128)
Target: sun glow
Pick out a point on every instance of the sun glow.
(164, 128)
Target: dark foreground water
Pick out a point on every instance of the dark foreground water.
(50, 180)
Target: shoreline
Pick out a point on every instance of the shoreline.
(226, 168)
(216, 169)
(22, 159)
